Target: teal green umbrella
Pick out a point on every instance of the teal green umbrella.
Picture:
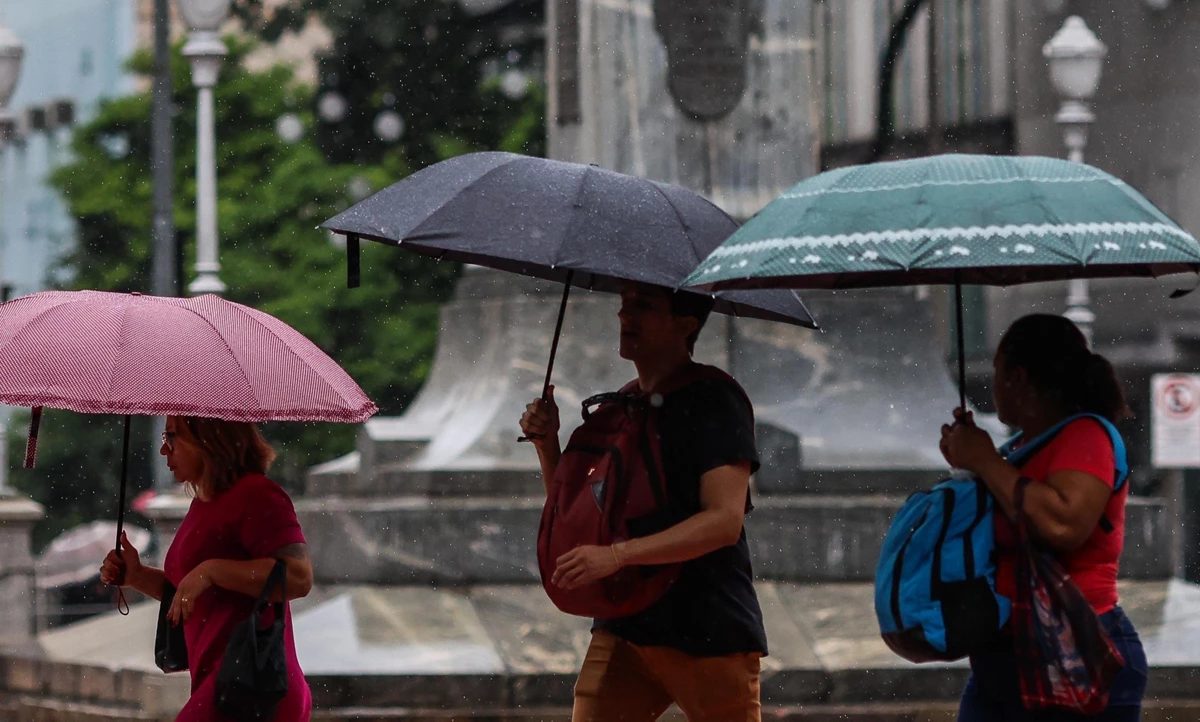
(951, 219)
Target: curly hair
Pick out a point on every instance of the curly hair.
(230, 450)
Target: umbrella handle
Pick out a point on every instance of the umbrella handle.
(35, 423)
(562, 312)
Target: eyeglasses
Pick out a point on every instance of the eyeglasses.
(168, 439)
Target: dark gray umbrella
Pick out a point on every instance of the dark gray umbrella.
(567, 222)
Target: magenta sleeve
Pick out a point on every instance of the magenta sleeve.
(269, 520)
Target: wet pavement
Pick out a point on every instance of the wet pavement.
(507, 645)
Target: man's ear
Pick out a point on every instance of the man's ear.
(690, 324)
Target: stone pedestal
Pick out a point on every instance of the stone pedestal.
(18, 603)
(166, 511)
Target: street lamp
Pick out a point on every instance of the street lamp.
(11, 53)
(1075, 56)
(205, 51)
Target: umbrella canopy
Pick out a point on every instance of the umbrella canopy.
(995, 220)
(116, 353)
(559, 221)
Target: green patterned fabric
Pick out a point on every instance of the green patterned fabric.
(996, 220)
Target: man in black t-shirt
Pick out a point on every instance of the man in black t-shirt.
(699, 646)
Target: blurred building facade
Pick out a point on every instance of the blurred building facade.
(76, 55)
(75, 52)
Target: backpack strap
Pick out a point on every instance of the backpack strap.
(1019, 456)
(626, 395)
(696, 372)
(686, 376)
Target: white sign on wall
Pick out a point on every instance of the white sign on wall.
(1175, 421)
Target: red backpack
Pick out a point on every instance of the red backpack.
(609, 487)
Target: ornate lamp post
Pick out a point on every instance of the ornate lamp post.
(1075, 56)
(205, 51)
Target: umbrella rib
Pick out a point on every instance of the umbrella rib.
(379, 234)
(225, 341)
(567, 235)
(328, 383)
(1053, 216)
(25, 326)
(408, 237)
(112, 372)
(679, 217)
(801, 221)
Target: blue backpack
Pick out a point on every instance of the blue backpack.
(935, 585)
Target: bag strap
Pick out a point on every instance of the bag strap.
(278, 576)
(687, 375)
(608, 397)
(1019, 500)
(1019, 456)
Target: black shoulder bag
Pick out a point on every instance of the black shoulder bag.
(170, 646)
(253, 677)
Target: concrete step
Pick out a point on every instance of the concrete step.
(933, 712)
(801, 538)
(1153, 711)
(507, 648)
(45, 709)
(36, 709)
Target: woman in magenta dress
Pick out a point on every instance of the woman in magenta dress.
(240, 522)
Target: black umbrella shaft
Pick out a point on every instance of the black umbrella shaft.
(962, 357)
(562, 313)
(124, 477)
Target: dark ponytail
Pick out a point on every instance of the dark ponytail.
(1060, 366)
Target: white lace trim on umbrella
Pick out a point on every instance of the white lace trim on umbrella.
(969, 233)
(794, 195)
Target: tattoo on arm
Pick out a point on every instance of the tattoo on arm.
(297, 552)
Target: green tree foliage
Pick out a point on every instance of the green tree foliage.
(424, 58)
(271, 196)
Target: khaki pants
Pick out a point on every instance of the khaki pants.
(622, 682)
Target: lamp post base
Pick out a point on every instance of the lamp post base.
(207, 282)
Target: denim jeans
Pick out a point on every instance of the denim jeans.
(993, 693)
